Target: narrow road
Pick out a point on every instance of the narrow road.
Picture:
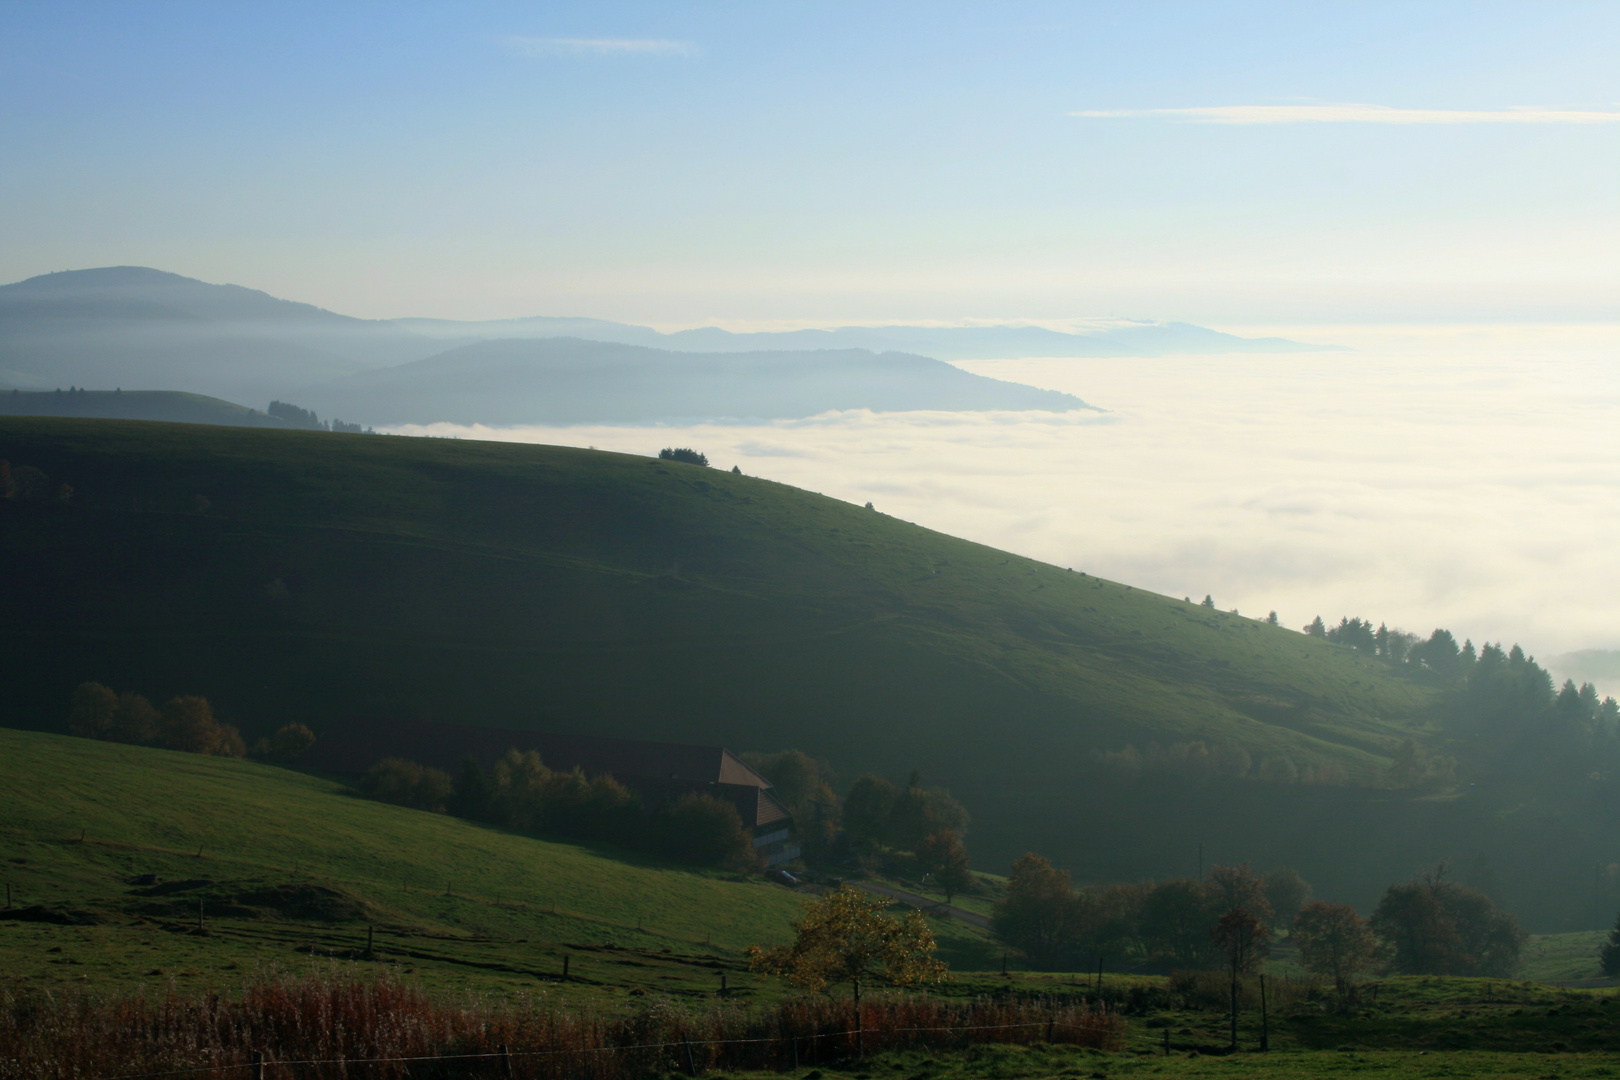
(922, 903)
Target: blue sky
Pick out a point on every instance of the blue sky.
(769, 164)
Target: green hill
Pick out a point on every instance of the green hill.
(167, 405)
(574, 590)
(284, 863)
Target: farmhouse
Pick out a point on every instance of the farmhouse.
(656, 771)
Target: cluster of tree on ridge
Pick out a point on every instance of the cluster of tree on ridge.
(1428, 926)
(524, 795)
(186, 723)
(297, 417)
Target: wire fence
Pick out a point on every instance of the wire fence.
(320, 1027)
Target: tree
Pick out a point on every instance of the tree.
(1609, 955)
(471, 793)
(405, 783)
(684, 454)
(1174, 922)
(1208, 601)
(1038, 914)
(866, 809)
(1245, 939)
(1437, 927)
(137, 720)
(92, 711)
(288, 742)
(1315, 628)
(1271, 619)
(943, 856)
(1240, 887)
(1286, 893)
(844, 937)
(1333, 940)
(707, 831)
(187, 723)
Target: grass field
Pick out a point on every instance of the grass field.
(577, 591)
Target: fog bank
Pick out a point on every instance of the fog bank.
(1464, 477)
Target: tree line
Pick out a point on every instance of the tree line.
(185, 722)
(1507, 704)
(525, 795)
(1428, 926)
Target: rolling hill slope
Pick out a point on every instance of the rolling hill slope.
(573, 590)
(283, 862)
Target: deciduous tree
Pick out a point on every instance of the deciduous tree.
(1334, 941)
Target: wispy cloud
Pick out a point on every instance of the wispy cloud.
(557, 46)
(1359, 114)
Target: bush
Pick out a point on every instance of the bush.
(405, 783)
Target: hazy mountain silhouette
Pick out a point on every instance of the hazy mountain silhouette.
(570, 380)
(940, 342)
(136, 328)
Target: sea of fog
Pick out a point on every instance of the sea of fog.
(1465, 477)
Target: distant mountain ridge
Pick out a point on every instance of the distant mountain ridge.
(137, 328)
(572, 381)
(939, 342)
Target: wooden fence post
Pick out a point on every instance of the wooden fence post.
(258, 1065)
(1265, 1020)
(565, 967)
(691, 1064)
(506, 1062)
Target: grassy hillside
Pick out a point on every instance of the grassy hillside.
(583, 591)
(167, 405)
(285, 863)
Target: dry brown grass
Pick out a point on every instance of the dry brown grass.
(321, 1026)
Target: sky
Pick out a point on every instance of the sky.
(814, 164)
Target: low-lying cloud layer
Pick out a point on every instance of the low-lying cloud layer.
(1465, 478)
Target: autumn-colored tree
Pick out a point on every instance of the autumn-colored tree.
(187, 723)
(1333, 940)
(1245, 939)
(844, 937)
(1437, 927)
(1037, 915)
(1240, 887)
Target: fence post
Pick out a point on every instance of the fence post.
(1166, 1042)
(1265, 1020)
(258, 1065)
(199, 913)
(506, 1062)
(565, 967)
(370, 934)
(691, 1064)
